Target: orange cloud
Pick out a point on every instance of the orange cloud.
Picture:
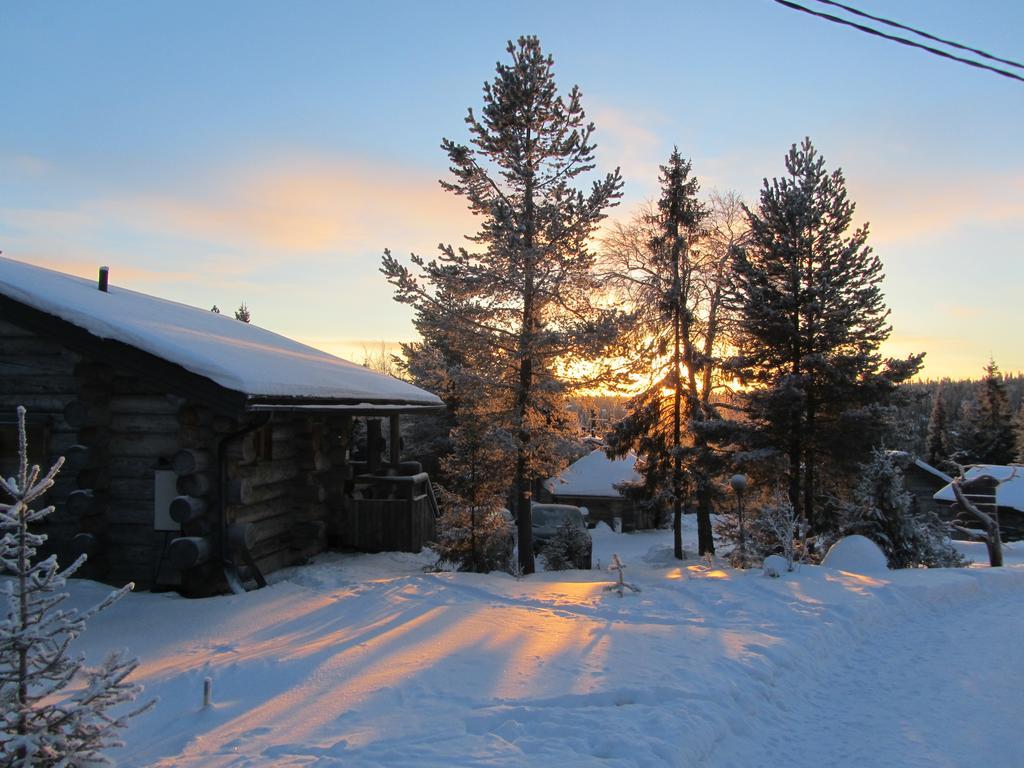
(305, 206)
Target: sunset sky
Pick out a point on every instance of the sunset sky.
(268, 152)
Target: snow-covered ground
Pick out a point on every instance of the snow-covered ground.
(366, 660)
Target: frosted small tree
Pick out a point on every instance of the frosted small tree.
(568, 547)
(243, 313)
(882, 510)
(53, 710)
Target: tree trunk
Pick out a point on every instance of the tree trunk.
(521, 485)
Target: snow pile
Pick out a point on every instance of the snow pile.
(236, 355)
(367, 660)
(856, 554)
(594, 475)
(775, 566)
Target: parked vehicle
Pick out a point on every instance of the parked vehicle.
(547, 518)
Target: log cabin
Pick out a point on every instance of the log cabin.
(595, 482)
(921, 480)
(995, 489)
(201, 452)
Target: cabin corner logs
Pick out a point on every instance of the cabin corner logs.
(162, 490)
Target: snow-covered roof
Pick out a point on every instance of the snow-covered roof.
(1009, 492)
(594, 475)
(906, 459)
(933, 471)
(238, 356)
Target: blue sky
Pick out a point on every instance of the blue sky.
(268, 152)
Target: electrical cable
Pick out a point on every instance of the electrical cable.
(897, 25)
(901, 40)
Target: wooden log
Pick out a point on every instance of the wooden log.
(14, 364)
(244, 492)
(145, 423)
(189, 551)
(134, 511)
(196, 436)
(87, 544)
(185, 509)
(188, 461)
(140, 444)
(276, 560)
(309, 529)
(93, 477)
(76, 456)
(132, 466)
(192, 415)
(134, 489)
(224, 425)
(242, 535)
(254, 513)
(81, 414)
(145, 404)
(269, 472)
(29, 384)
(198, 484)
(90, 370)
(83, 503)
(95, 437)
(35, 403)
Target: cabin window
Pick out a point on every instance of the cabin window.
(36, 433)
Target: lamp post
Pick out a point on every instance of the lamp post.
(739, 485)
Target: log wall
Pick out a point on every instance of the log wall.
(39, 374)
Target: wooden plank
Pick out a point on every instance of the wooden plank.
(161, 404)
(132, 489)
(140, 444)
(145, 423)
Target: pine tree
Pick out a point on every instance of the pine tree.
(520, 301)
(811, 318)
(987, 431)
(666, 265)
(243, 313)
(215, 309)
(937, 445)
(52, 710)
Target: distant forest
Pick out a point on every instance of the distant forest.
(911, 417)
(960, 400)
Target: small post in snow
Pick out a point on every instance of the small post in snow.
(621, 586)
(207, 692)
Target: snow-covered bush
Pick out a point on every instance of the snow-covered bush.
(568, 547)
(473, 538)
(53, 710)
(881, 509)
(770, 528)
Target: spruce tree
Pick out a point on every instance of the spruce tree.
(519, 300)
(811, 319)
(53, 711)
(243, 313)
(670, 269)
(987, 431)
(882, 510)
(937, 442)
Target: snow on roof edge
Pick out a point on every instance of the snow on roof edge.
(237, 356)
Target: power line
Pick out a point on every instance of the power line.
(901, 40)
(920, 33)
